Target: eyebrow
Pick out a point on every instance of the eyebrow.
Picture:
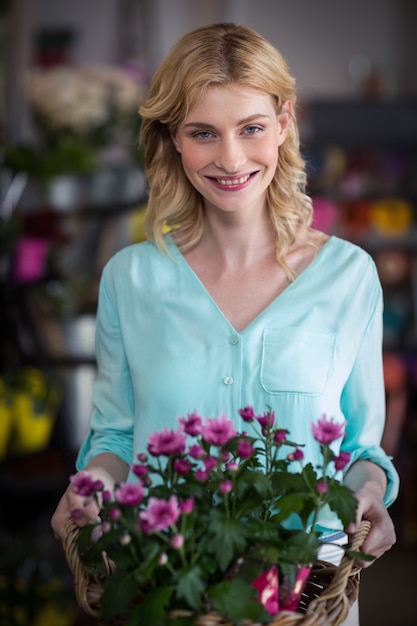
(245, 120)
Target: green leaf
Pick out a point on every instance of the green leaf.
(287, 505)
(287, 482)
(258, 481)
(228, 538)
(191, 586)
(236, 600)
(118, 592)
(262, 530)
(342, 501)
(355, 554)
(153, 609)
(299, 547)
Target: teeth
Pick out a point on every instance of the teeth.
(232, 181)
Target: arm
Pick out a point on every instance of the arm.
(107, 450)
(369, 482)
(371, 475)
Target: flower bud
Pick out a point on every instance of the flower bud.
(177, 541)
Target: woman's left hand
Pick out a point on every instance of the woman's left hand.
(371, 507)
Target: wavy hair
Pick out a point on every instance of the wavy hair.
(216, 55)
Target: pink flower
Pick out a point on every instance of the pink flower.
(267, 587)
(322, 486)
(77, 514)
(129, 493)
(106, 495)
(177, 541)
(224, 456)
(196, 452)
(327, 430)
(84, 484)
(266, 420)
(161, 514)
(218, 431)
(201, 475)
(280, 435)
(225, 486)
(209, 463)
(142, 457)
(140, 470)
(115, 514)
(144, 524)
(247, 414)
(245, 449)
(290, 592)
(187, 506)
(167, 443)
(232, 466)
(342, 460)
(182, 466)
(192, 424)
(297, 455)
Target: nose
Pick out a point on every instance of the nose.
(230, 155)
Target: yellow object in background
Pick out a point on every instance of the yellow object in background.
(136, 223)
(33, 406)
(32, 429)
(5, 419)
(391, 216)
(51, 615)
(137, 218)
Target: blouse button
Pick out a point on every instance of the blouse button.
(234, 340)
(228, 380)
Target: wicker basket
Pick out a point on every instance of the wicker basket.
(327, 598)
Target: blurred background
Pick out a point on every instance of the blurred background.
(72, 192)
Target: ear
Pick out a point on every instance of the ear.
(174, 139)
(284, 119)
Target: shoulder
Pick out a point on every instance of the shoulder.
(141, 268)
(352, 272)
(144, 256)
(134, 253)
(346, 253)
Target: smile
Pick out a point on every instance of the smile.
(233, 181)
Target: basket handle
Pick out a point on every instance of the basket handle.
(346, 567)
(87, 595)
(339, 596)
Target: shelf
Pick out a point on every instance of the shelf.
(378, 123)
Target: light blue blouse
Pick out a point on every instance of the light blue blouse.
(164, 349)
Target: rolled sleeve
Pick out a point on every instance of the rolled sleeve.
(363, 403)
(112, 421)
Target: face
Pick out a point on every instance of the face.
(229, 145)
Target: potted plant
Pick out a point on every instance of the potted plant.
(80, 114)
(206, 526)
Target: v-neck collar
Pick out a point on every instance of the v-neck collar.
(281, 296)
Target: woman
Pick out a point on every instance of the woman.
(235, 300)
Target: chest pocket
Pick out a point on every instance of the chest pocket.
(295, 360)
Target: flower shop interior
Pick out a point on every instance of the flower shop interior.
(73, 192)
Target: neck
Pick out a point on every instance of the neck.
(234, 240)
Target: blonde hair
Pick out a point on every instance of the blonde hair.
(219, 54)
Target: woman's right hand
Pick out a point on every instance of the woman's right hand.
(106, 467)
(81, 509)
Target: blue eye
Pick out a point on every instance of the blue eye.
(251, 130)
(202, 134)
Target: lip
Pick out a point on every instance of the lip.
(231, 183)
